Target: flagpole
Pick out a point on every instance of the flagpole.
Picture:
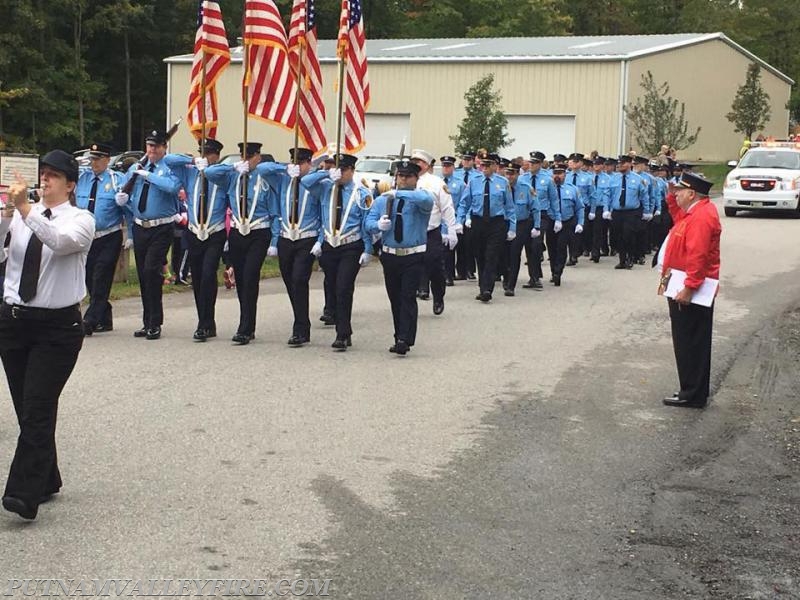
(201, 212)
(246, 91)
(340, 107)
(296, 180)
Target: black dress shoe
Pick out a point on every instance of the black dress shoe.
(471, 276)
(484, 297)
(640, 260)
(88, 329)
(595, 259)
(423, 295)
(297, 340)
(19, 506)
(528, 285)
(449, 282)
(557, 280)
(460, 278)
(242, 339)
(100, 327)
(400, 347)
(212, 333)
(140, 332)
(328, 320)
(509, 292)
(341, 344)
(537, 285)
(675, 401)
(153, 333)
(586, 253)
(200, 335)
(438, 308)
(572, 262)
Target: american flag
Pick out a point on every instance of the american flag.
(211, 45)
(272, 90)
(303, 43)
(352, 48)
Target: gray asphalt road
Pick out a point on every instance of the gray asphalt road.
(520, 450)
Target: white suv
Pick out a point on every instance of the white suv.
(766, 178)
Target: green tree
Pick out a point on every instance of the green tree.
(657, 118)
(484, 125)
(750, 110)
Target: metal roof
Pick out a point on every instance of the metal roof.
(521, 49)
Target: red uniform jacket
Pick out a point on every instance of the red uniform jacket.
(693, 245)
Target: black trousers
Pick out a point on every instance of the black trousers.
(433, 274)
(101, 263)
(536, 258)
(598, 230)
(296, 261)
(558, 245)
(401, 275)
(179, 257)
(515, 252)
(465, 254)
(625, 223)
(247, 253)
(489, 236)
(204, 258)
(691, 340)
(150, 247)
(341, 268)
(38, 357)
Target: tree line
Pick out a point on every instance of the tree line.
(74, 71)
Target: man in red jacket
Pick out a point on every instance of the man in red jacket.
(692, 246)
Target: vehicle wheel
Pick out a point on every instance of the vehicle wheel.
(730, 212)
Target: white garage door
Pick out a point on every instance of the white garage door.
(548, 133)
(385, 133)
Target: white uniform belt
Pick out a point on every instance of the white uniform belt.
(153, 222)
(254, 226)
(212, 229)
(294, 234)
(404, 251)
(104, 232)
(341, 240)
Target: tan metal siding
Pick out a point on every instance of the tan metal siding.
(706, 77)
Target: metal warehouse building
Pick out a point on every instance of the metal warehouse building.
(559, 93)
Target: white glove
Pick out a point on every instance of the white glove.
(272, 251)
(578, 228)
(535, 233)
(647, 216)
(452, 240)
(317, 250)
(177, 217)
(142, 173)
(657, 213)
(384, 223)
(242, 167)
(201, 163)
(510, 236)
(364, 259)
(121, 198)
(293, 170)
(459, 228)
(557, 226)
(127, 244)
(468, 223)
(335, 174)
(591, 216)
(390, 194)
(607, 215)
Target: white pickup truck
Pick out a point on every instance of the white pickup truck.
(766, 178)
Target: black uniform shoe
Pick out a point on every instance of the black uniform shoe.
(438, 307)
(423, 295)
(449, 282)
(88, 329)
(460, 278)
(200, 335)
(484, 297)
(19, 506)
(140, 332)
(528, 285)
(572, 262)
(242, 339)
(509, 292)
(341, 344)
(586, 253)
(153, 333)
(623, 266)
(557, 280)
(400, 347)
(212, 333)
(328, 319)
(296, 341)
(595, 259)
(640, 260)
(675, 401)
(99, 328)
(471, 276)
(537, 285)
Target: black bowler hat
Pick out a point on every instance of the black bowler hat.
(612, 161)
(303, 154)
(537, 156)
(559, 158)
(587, 161)
(503, 162)
(253, 148)
(99, 151)
(347, 160)
(576, 156)
(61, 162)
(156, 136)
(599, 160)
(641, 160)
(694, 182)
(469, 154)
(406, 167)
(558, 166)
(625, 158)
(447, 160)
(513, 166)
(211, 147)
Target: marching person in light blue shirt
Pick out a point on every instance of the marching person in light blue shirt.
(528, 217)
(597, 228)
(567, 214)
(628, 198)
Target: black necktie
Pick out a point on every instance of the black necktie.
(574, 179)
(466, 176)
(205, 203)
(339, 208)
(145, 192)
(93, 193)
(624, 191)
(29, 279)
(486, 206)
(398, 221)
(295, 192)
(558, 191)
(595, 180)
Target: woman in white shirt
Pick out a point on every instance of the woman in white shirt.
(40, 320)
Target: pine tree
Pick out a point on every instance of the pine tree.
(750, 110)
(484, 125)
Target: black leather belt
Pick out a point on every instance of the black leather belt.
(17, 311)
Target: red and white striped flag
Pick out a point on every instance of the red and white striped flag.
(303, 56)
(211, 45)
(272, 90)
(352, 48)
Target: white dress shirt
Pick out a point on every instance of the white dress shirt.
(66, 238)
(443, 209)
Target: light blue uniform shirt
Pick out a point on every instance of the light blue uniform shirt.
(636, 196)
(415, 207)
(216, 200)
(356, 201)
(583, 181)
(455, 185)
(601, 192)
(107, 214)
(566, 198)
(525, 203)
(308, 207)
(261, 202)
(466, 175)
(162, 199)
(501, 204)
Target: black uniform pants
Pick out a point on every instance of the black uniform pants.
(341, 267)
(38, 357)
(150, 247)
(204, 258)
(401, 275)
(515, 252)
(101, 263)
(691, 340)
(624, 224)
(434, 266)
(465, 254)
(247, 253)
(558, 245)
(449, 263)
(489, 236)
(179, 263)
(536, 257)
(598, 230)
(296, 261)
